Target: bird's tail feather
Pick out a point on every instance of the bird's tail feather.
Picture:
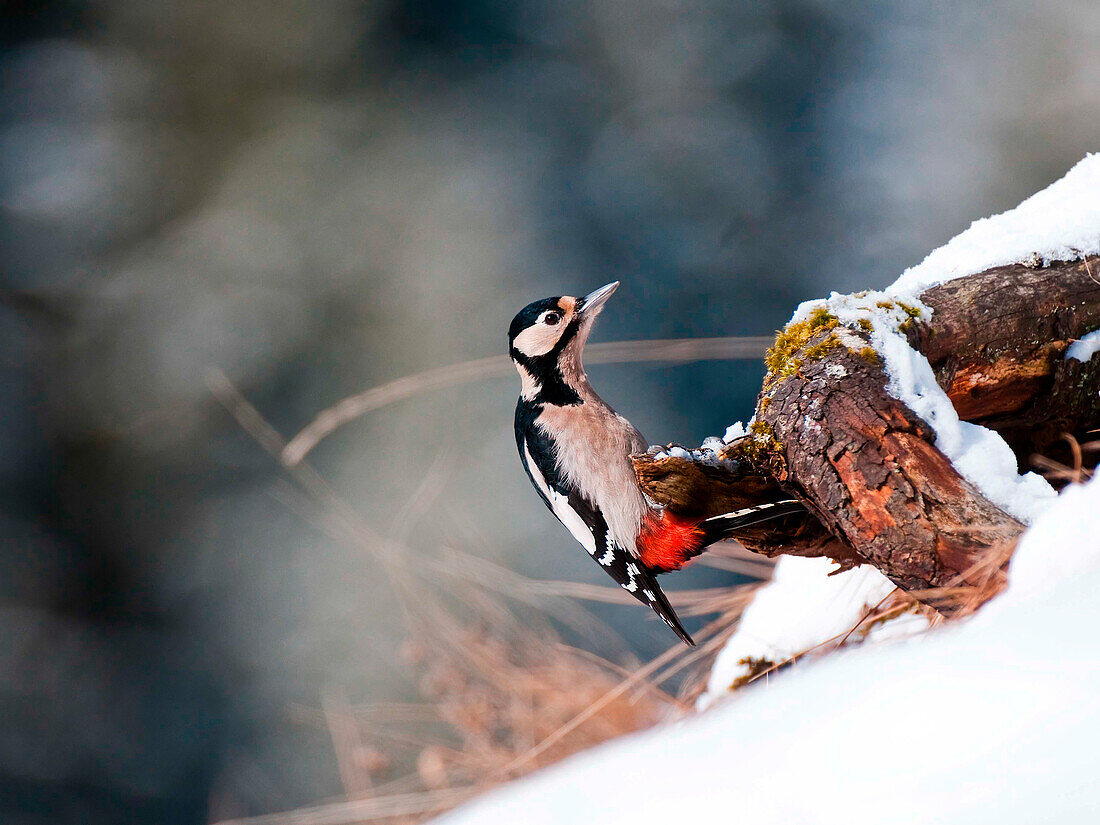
(719, 527)
(663, 609)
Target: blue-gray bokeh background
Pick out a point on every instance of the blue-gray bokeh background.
(318, 197)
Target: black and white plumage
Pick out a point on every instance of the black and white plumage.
(584, 519)
(576, 451)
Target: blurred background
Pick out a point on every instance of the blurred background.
(316, 198)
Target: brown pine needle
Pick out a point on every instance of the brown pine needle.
(644, 672)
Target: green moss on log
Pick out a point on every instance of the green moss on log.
(783, 360)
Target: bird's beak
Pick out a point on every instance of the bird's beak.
(590, 304)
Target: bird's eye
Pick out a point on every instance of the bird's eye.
(551, 318)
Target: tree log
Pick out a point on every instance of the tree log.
(997, 343)
(878, 490)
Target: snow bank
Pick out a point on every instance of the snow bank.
(993, 720)
(1058, 224)
(1063, 545)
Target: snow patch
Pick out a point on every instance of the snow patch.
(734, 431)
(980, 455)
(802, 607)
(1060, 223)
(1085, 347)
(709, 453)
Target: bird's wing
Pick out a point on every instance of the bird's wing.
(585, 521)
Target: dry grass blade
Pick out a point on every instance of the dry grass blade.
(671, 661)
(1079, 470)
(365, 810)
(692, 602)
(735, 558)
(503, 696)
(1057, 472)
(335, 514)
(964, 594)
(346, 742)
(677, 350)
(730, 602)
(249, 418)
(903, 603)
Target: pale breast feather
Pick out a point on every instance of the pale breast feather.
(585, 521)
(591, 454)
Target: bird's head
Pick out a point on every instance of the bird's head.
(546, 340)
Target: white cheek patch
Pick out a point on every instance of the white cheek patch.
(538, 339)
(560, 504)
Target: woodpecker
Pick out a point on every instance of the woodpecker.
(576, 451)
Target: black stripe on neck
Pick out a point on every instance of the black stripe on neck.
(546, 369)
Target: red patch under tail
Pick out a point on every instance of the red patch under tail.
(668, 542)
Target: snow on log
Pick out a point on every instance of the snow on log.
(902, 417)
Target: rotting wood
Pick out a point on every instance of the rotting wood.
(878, 489)
(695, 490)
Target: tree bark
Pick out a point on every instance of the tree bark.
(997, 343)
(877, 488)
(695, 490)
